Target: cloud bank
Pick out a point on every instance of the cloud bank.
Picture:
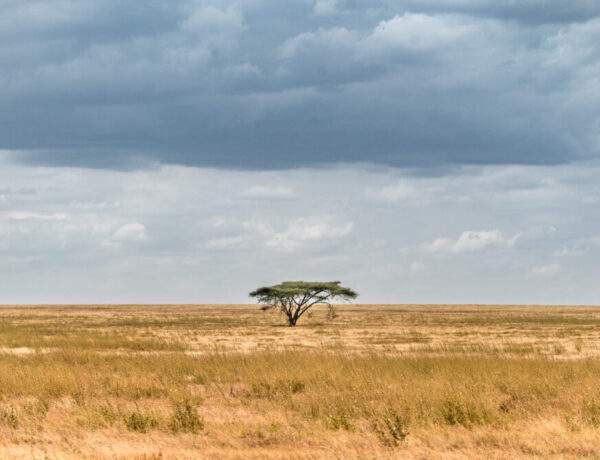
(471, 241)
(266, 85)
(185, 234)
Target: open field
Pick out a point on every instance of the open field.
(229, 381)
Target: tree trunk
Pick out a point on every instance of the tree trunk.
(292, 321)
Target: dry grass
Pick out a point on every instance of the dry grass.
(223, 381)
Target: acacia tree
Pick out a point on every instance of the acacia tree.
(294, 298)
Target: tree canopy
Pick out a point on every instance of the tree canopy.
(294, 298)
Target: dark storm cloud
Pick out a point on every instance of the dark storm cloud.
(268, 84)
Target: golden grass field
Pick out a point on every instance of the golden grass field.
(230, 381)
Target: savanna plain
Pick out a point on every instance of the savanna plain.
(230, 381)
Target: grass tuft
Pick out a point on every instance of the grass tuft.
(138, 421)
(185, 418)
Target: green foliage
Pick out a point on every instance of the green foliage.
(300, 288)
(136, 421)
(458, 411)
(185, 418)
(391, 427)
(280, 387)
(339, 419)
(294, 298)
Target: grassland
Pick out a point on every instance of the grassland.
(229, 381)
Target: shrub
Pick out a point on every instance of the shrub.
(136, 421)
(464, 413)
(339, 418)
(392, 428)
(185, 418)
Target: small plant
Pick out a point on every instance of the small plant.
(292, 386)
(185, 418)
(136, 421)
(339, 419)
(392, 428)
(455, 414)
(296, 386)
(281, 387)
(559, 349)
(8, 417)
(108, 413)
(590, 412)
(158, 456)
(43, 406)
(508, 405)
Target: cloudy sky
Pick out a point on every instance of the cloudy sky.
(190, 151)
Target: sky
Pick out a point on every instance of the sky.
(189, 151)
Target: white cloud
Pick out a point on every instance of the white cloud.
(268, 192)
(593, 240)
(334, 39)
(132, 232)
(229, 243)
(398, 192)
(301, 232)
(23, 215)
(472, 241)
(189, 228)
(94, 205)
(212, 28)
(417, 267)
(325, 7)
(569, 251)
(217, 221)
(546, 270)
(416, 32)
(402, 192)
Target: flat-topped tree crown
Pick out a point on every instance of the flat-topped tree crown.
(294, 298)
